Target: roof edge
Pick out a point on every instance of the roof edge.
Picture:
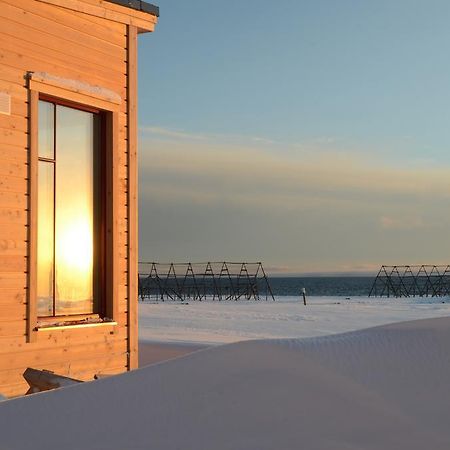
(138, 5)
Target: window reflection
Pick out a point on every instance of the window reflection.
(45, 239)
(66, 212)
(74, 211)
(46, 129)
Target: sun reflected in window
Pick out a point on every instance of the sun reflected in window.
(66, 219)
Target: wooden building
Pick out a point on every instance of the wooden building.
(68, 186)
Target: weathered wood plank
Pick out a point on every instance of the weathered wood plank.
(62, 337)
(13, 312)
(15, 169)
(11, 75)
(13, 137)
(18, 385)
(89, 363)
(79, 97)
(115, 27)
(16, 247)
(13, 154)
(16, 90)
(143, 21)
(104, 30)
(40, 38)
(36, 64)
(16, 388)
(32, 57)
(45, 358)
(13, 184)
(12, 328)
(12, 280)
(29, 18)
(12, 216)
(12, 296)
(13, 263)
(13, 200)
(19, 107)
(120, 9)
(16, 123)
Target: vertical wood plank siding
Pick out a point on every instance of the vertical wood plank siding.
(33, 99)
(132, 201)
(39, 37)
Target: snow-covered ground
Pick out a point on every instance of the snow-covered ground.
(376, 388)
(381, 388)
(209, 322)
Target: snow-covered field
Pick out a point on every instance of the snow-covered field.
(216, 322)
(381, 388)
(378, 388)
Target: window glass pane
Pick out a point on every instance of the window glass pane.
(45, 239)
(46, 130)
(74, 222)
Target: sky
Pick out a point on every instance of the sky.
(310, 135)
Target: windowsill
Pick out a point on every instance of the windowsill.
(67, 322)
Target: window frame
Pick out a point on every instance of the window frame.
(88, 98)
(99, 241)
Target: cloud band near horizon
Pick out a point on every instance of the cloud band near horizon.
(300, 210)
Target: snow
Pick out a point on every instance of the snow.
(224, 322)
(77, 86)
(378, 388)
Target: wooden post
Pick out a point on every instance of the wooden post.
(132, 200)
(112, 256)
(32, 214)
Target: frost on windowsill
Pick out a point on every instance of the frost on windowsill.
(49, 323)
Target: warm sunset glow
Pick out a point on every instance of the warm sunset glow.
(74, 246)
(66, 211)
(74, 255)
(45, 239)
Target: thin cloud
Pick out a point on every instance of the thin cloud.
(170, 133)
(401, 223)
(244, 169)
(300, 211)
(181, 135)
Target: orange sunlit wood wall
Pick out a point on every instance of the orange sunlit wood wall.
(68, 187)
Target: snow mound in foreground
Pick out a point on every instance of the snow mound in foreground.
(381, 388)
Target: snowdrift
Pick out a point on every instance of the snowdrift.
(380, 388)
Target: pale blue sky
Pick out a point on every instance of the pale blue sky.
(356, 93)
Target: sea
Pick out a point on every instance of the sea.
(324, 286)
(287, 287)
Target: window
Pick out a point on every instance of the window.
(70, 216)
(73, 204)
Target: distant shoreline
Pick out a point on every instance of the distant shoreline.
(322, 274)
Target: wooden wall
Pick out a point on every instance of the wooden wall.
(38, 36)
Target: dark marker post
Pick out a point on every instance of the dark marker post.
(304, 295)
